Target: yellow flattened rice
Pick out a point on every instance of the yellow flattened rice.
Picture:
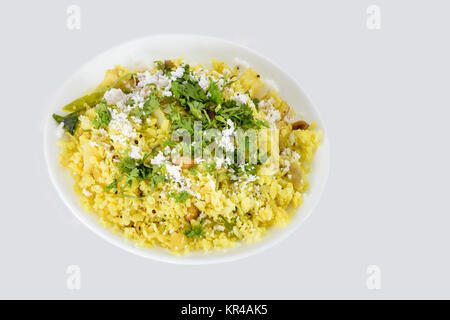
(129, 169)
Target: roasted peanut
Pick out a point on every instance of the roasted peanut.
(301, 124)
(192, 213)
(169, 64)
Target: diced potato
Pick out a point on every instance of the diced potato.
(250, 81)
(219, 66)
(161, 119)
(177, 241)
(247, 204)
(297, 176)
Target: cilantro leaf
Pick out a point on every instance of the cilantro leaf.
(256, 103)
(140, 171)
(195, 231)
(103, 118)
(196, 107)
(132, 175)
(216, 94)
(241, 114)
(127, 164)
(180, 121)
(180, 197)
(187, 90)
(112, 185)
(150, 105)
(210, 167)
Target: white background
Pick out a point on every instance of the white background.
(384, 95)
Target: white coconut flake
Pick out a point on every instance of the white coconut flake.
(135, 152)
(114, 96)
(226, 140)
(136, 120)
(159, 159)
(166, 93)
(295, 156)
(167, 150)
(287, 165)
(121, 124)
(203, 82)
(118, 139)
(158, 78)
(178, 73)
(272, 114)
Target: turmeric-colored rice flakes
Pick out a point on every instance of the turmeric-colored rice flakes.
(187, 157)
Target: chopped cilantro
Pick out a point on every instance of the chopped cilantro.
(186, 89)
(216, 94)
(150, 105)
(196, 107)
(210, 167)
(256, 102)
(169, 143)
(103, 118)
(138, 170)
(112, 185)
(127, 164)
(180, 197)
(241, 115)
(180, 121)
(195, 231)
(243, 168)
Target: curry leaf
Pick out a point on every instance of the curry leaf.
(70, 121)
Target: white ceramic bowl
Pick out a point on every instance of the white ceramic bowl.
(194, 49)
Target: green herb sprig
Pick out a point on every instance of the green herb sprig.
(104, 116)
(70, 121)
(180, 197)
(194, 231)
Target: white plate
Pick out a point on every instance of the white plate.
(194, 49)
